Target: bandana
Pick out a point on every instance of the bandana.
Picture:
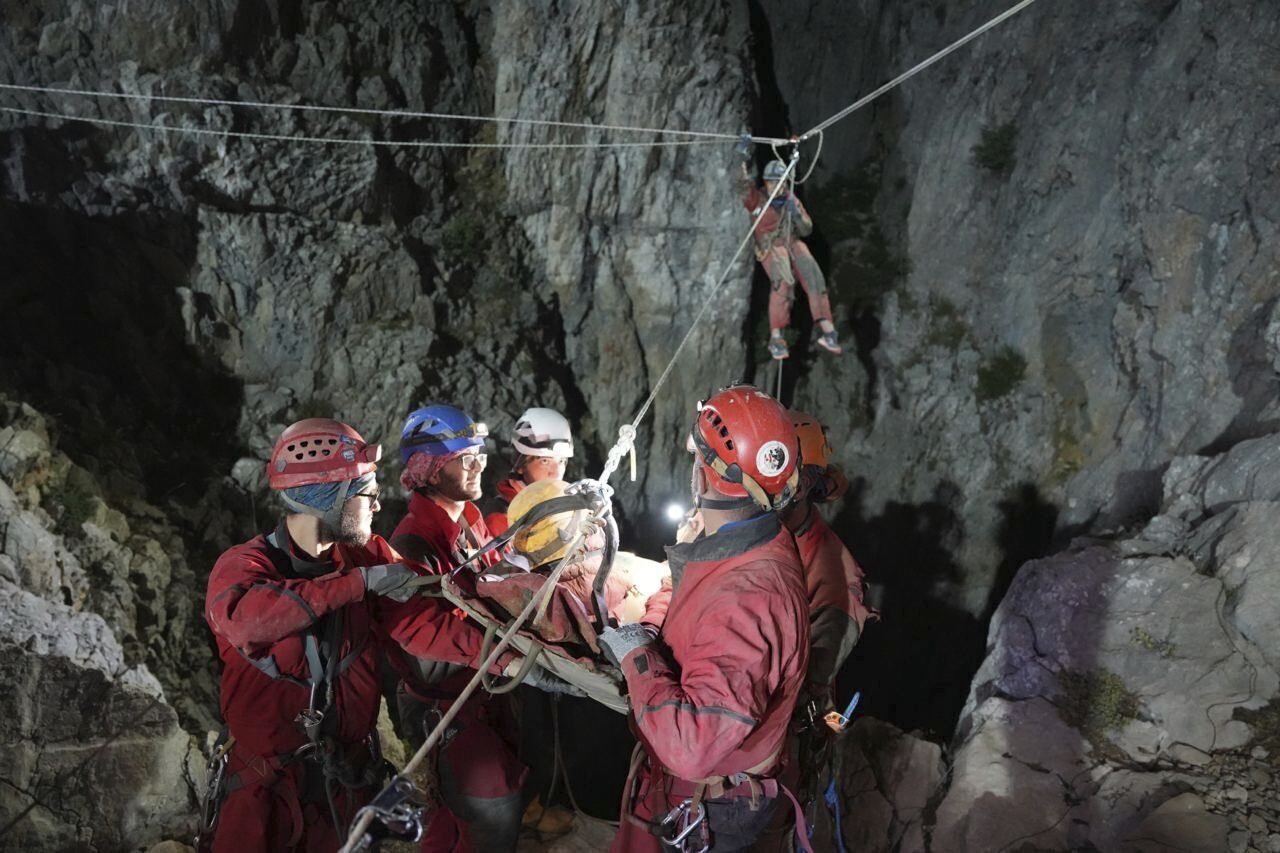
(421, 467)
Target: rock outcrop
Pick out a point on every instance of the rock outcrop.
(1129, 698)
(91, 604)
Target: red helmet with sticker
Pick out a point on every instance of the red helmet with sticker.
(320, 450)
(747, 443)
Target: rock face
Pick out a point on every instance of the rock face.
(359, 281)
(97, 758)
(1054, 258)
(1128, 700)
(1059, 265)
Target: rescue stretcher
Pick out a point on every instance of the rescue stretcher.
(562, 636)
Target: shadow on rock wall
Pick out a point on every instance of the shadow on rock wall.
(92, 333)
(914, 666)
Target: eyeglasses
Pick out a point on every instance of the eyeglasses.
(371, 494)
(473, 461)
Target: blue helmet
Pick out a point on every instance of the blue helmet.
(437, 430)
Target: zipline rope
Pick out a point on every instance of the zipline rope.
(907, 75)
(346, 140)
(413, 114)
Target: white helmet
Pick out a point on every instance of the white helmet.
(543, 432)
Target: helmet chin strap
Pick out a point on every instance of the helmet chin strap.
(724, 503)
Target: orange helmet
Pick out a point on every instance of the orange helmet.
(814, 448)
(746, 443)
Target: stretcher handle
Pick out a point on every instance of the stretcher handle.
(603, 619)
(487, 680)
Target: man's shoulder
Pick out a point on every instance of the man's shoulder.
(375, 552)
(256, 552)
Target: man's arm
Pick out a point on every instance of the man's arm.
(803, 223)
(693, 717)
(251, 606)
(837, 611)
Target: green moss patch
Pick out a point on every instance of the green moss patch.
(1000, 374)
(997, 150)
(1096, 703)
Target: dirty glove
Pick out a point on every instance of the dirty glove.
(743, 148)
(618, 643)
(391, 579)
(543, 680)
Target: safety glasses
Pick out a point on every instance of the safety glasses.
(472, 461)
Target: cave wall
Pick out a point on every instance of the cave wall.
(1053, 257)
(1056, 254)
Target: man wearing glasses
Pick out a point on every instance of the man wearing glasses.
(299, 616)
(480, 776)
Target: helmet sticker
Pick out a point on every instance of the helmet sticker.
(349, 455)
(772, 458)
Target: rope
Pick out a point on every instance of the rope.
(817, 155)
(343, 140)
(362, 825)
(412, 114)
(902, 78)
(559, 770)
(627, 432)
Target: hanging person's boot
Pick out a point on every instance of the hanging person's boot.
(778, 346)
(828, 340)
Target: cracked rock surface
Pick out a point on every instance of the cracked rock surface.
(1128, 698)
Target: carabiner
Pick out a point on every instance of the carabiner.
(685, 822)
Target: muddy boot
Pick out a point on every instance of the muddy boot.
(778, 348)
(829, 342)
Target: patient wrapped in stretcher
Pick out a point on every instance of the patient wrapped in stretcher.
(571, 618)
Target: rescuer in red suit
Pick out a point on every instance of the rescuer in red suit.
(713, 691)
(299, 617)
(480, 775)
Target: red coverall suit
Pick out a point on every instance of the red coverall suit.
(264, 604)
(717, 699)
(480, 775)
(786, 261)
(496, 507)
(836, 610)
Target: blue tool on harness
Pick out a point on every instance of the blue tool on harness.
(837, 722)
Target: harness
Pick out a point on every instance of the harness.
(353, 766)
(685, 828)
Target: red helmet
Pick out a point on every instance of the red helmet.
(747, 443)
(320, 450)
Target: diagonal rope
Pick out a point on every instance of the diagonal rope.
(409, 114)
(627, 432)
(366, 818)
(907, 75)
(346, 140)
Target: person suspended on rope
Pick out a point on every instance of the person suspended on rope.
(541, 447)
(443, 450)
(711, 709)
(299, 617)
(785, 257)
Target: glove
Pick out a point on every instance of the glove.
(618, 643)
(543, 680)
(391, 580)
(743, 148)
